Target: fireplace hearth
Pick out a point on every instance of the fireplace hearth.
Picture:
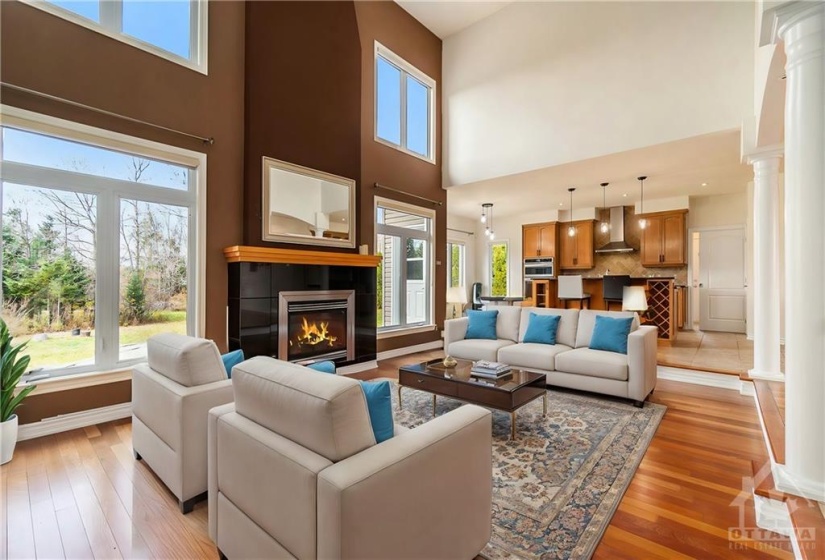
(315, 325)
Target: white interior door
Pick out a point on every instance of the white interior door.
(722, 300)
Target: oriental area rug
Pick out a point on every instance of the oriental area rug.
(557, 485)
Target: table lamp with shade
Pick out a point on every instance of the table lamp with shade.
(457, 297)
(634, 298)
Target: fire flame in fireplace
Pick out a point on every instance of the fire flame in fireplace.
(315, 333)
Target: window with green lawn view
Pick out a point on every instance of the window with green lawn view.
(97, 250)
(455, 264)
(499, 261)
(404, 276)
(404, 100)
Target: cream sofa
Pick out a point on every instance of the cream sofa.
(294, 472)
(171, 398)
(568, 363)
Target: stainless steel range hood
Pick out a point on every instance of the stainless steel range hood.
(617, 243)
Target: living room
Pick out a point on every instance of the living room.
(414, 116)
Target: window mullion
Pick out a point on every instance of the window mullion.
(402, 284)
(107, 291)
(403, 78)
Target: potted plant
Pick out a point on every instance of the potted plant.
(12, 368)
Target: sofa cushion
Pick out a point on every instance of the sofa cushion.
(325, 413)
(186, 360)
(531, 355)
(610, 334)
(541, 329)
(507, 323)
(482, 325)
(327, 366)
(565, 334)
(379, 403)
(594, 363)
(587, 320)
(476, 349)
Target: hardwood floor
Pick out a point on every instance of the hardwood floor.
(81, 494)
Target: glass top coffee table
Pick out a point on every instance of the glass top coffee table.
(507, 393)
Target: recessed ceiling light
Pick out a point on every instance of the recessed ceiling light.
(625, 195)
(704, 184)
(561, 203)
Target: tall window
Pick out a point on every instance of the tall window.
(404, 100)
(173, 29)
(499, 262)
(455, 264)
(404, 240)
(98, 246)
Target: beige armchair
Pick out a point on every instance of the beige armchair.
(294, 472)
(171, 398)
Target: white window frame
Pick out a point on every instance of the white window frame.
(462, 265)
(111, 25)
(406, 69)
(109, 192)
(408, 233)
(490, 244)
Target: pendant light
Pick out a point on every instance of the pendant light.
(605, 225)
(487, 217)
(642, 221)
(571, 231)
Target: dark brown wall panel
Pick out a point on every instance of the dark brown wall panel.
(397, 30)
(48, 54)
(303, 96)
(38, 407)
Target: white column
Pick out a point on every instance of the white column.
(801, 25)
(766, 265)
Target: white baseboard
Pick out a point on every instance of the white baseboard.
(706, 378)
(387, 354)
(746, 388)
(74, 420)
(772, 515)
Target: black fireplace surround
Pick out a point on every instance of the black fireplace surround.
(254, 303)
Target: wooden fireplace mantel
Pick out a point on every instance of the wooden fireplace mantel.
(245, 253)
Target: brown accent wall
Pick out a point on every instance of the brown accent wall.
(397, 30)
(46, 405)
(303, 96)
(51, 55)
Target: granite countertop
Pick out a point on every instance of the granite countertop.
(600, 277)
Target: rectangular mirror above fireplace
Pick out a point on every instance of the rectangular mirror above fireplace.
(302, 205)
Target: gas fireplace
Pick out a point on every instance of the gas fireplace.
(315, 325)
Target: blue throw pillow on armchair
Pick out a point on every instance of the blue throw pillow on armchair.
(230, 360)
(542, 329)
(324, 367)
(611, 334)
(482, 324)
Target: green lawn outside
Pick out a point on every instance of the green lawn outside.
(62, 348)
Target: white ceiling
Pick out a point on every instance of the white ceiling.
(447, 17)
(674, 169)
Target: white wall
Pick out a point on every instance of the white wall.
(456, 232)
(718, 210)
(544, 83)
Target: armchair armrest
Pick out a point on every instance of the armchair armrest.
(212, 462)
(426, 493)
(641, 362)
(454, 330)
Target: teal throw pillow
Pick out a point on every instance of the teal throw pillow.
(542, 329)
(482, 324)
(230, 360)
(611, 334)
(379, 403)
(324, 367)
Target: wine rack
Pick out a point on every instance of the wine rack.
(660, 310)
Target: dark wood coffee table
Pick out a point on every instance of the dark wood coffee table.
(508, 393)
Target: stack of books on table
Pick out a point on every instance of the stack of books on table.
(483, 368)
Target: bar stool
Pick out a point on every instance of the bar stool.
(572, 288)
(613, 289)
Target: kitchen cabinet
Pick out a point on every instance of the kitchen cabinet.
(664, 240)
(539, 240)
(577, 250)
(680, 293)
